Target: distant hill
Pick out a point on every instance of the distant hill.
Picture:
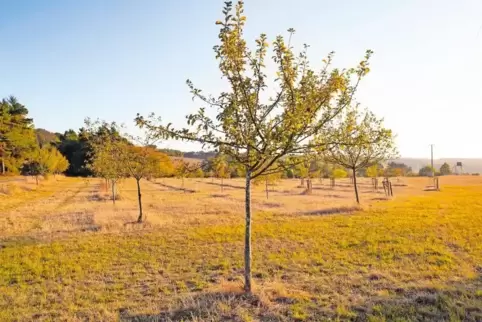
(45, 137)
(201, 155)
(469, 165)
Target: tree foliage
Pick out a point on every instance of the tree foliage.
(251, 130)
(445, 169)
(426, 171)
(107, 150)
(142, 162)
(17, 137)
(45, 161)
(362, 141)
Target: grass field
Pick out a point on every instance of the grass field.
(66, 253)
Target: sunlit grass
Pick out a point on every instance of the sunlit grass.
(413, 258)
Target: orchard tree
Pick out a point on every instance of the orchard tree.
(107, 154)
(221, 168)
(184, 169)
(362, 141)
(372, 171)
(338, 173)
(268, 179)
(251, 129)
(143, 162)
(445, 169)
(43, 162)
(426, 171)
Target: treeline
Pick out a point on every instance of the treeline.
(21, 150)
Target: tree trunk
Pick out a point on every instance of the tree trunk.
(247, 235)
(356, 187)
(222, 184)
(267, 196)
(309, 187)
(302, 182)
(114, 192)
(3, 165)
(139, 198)
(36, 180)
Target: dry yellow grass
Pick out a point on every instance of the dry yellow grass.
(68, 254)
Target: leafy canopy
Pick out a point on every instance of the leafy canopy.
(257, 132)
(362, 140)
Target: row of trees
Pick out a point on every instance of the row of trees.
(21, 150)
(428, 171)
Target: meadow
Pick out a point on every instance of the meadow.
(67, 253)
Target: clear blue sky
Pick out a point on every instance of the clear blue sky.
(68, 59)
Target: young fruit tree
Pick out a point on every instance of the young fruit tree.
(107, 152)
(363, 141)
(184, 169)
(45, 161)
(337, 173)
(221, 168)
(267, 180)
(372, 172)
(445, 169)
(251, 129)
(143, 163)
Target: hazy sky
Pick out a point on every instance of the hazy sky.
(69, 59)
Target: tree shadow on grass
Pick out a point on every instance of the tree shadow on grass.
(218, 306)
(453, 302)
(175, 188)
(336, 188)
(460, 301)
(331, 211)
(224, 185)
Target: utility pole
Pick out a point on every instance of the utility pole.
(431, 160)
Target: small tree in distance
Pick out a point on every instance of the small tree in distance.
(257, 133)
(45, 161)
(108, 152)
(184, 169)
(426, 171)
(364, 141)
(221, 168)
(338, 173)
(143, 163)
(445, 169)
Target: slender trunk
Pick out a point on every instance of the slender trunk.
(302, 182)
(247, 235)
(222, 184)
(267, 189)
(139, 197)
(356, 188)
(3, 165)
(113, 184)
(106, 185)
(36, 180)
